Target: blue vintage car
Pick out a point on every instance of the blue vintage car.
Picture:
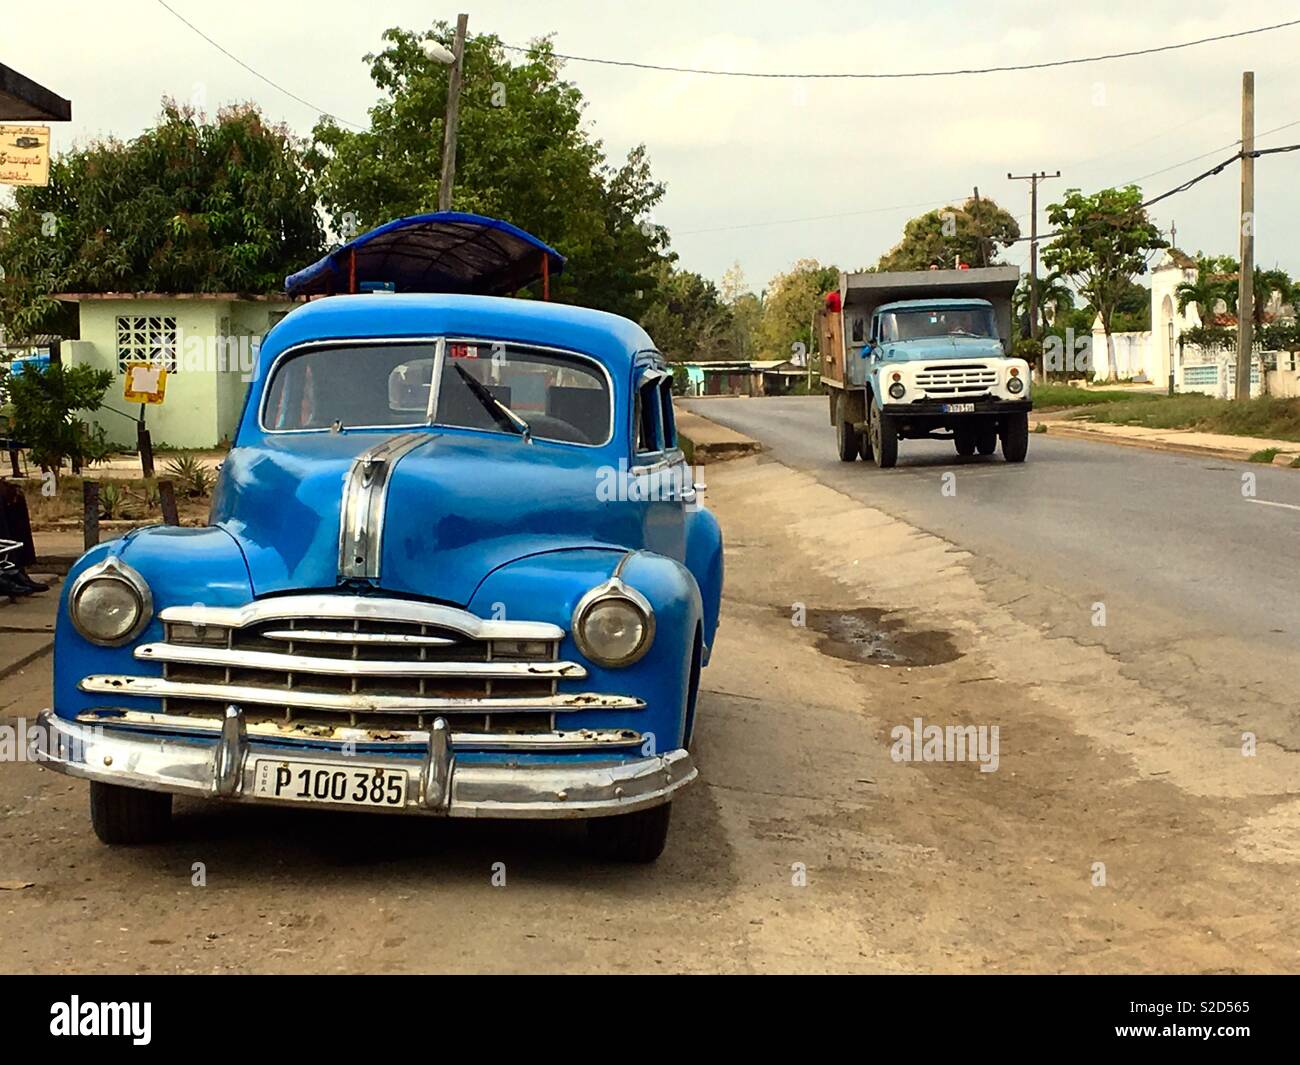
(456, 566)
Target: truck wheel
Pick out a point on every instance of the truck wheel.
(883, 436)
(964, 438)
(986, 436)
(1015, 437)
(847, 439)
(634, 837)
(129, 815)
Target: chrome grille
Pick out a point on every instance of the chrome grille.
(956, 380)
(332, 662)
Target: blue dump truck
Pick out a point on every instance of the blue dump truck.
(924, 355)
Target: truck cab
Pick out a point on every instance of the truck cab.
(925, 355)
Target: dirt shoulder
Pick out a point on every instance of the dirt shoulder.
(1118, 832)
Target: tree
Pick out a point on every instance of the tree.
(746, 310)
(188, 206)
(1204, 293)
(1055, 299)
(42, 402)
(523, 155)
(970, 234)
(1217, 279)
(687, 319)
(1102, 242)
(789, 304)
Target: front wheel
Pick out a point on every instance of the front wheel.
(1015, 437)
(634, 837)
(128, 815)
(883, 436)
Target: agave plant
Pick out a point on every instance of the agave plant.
(111, 499)
(192, 478)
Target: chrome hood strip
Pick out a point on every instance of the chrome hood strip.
(365, 498)
(159, 688)
(366, 608)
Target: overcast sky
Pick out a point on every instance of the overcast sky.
(747, 162)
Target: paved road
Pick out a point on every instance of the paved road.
(1167, 530)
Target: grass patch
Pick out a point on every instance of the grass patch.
(1054, 397)
(1275, 419)
(1265, 455)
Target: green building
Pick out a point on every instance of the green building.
(207, 342)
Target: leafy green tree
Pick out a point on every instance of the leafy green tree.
(42, 402)
(523, 155)
(971, 234)
(1102, 242)
(687, 318)
(190, 205)
(789, 304)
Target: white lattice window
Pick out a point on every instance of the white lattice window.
(147, 338)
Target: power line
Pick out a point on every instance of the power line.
(279, 88)
(817, 218)
(909, 74)
(1217, 169)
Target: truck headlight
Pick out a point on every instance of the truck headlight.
(896, 390)
(110, 603)
(613, 624)
(1015, 386)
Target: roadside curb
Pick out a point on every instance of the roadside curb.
(710, 441)
(1060, 429)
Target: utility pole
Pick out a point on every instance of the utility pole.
(979, 228)
(1033, 180)
(453, 116)
(1246, 279)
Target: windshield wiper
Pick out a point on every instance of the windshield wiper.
(503, 414)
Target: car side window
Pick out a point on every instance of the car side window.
(649, 433)
(667, 419)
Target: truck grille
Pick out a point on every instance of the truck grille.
(956, 380)
(333, 661)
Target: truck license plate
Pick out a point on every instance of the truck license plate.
(959, 408)
(312, 782)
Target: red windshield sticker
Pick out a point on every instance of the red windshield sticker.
(463, 351)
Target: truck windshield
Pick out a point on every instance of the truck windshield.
(495, 386)
(932, 322)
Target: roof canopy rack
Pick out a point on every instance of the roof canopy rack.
(446, 251)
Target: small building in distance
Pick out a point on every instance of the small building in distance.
(763, 377)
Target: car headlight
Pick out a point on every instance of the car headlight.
(110, 603)
(1015, 385)
(896, 390)
(613, 624)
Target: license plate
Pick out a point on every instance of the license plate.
(959, 408)
(310, 782)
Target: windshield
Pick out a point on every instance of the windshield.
(938, 322)
(499, 387)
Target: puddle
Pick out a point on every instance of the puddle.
(865, 635)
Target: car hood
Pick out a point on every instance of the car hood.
(945, 348)
(458, 506)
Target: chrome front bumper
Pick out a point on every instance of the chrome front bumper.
(223, 767)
